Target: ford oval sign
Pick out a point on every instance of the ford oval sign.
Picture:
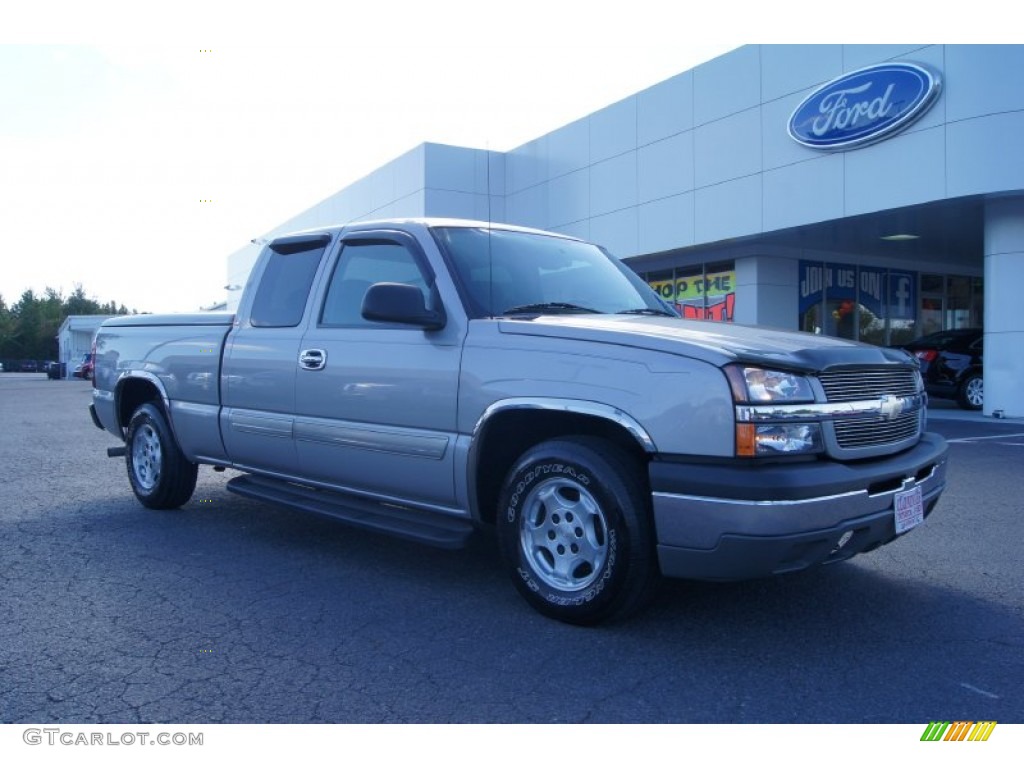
(864, 106)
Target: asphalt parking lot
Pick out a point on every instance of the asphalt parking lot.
(233, 611)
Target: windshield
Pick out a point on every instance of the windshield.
(944, 339)
(505, 272)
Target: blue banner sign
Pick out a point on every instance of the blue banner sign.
(884, 293)
(864, 106)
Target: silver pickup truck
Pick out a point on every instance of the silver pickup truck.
(428, 378)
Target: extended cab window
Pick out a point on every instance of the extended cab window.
(361, 264)
(284, 286)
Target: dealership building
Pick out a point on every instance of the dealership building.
(874, 192)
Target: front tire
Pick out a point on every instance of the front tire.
(159, 473)
(575, 531)
(972, 393)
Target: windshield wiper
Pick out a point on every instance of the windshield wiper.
(646, 311)
(550, 307)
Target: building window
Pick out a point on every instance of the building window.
(881, 306)
(702, 291)
(870, 304)
(951, 302)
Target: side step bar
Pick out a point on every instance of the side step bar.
(424, 527)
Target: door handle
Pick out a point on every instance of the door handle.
(312, 359)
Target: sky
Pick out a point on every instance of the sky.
(138, 150)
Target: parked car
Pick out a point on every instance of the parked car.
(29, 366)
(84, 369)
(951, 365)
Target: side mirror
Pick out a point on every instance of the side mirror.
(400, 303)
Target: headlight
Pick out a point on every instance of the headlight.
(752, 387)
(760, 385)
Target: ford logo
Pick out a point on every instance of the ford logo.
(864, 106)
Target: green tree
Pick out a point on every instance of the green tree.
(80, 304)
(6, 327)
(28, 328)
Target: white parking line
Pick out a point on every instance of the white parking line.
(986, 437)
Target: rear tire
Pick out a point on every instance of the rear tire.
(972, 393)
(575, 531)
(159, 473)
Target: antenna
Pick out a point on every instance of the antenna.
(490, 259)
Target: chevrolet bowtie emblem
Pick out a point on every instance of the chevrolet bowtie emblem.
(891, 407)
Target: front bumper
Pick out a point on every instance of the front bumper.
(732, 522)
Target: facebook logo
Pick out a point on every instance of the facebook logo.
(902, 295)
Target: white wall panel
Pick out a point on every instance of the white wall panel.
(569, 197)
(777, 148)
(617, 232)
(984, 80)
(527, 165)
(665, 224)
(985, 154)
(409, 171)
(804, 192)
(665, 167)
(452, 168)
(411, 205)
(580, 229)
(726, 85)
(728, 148)
(665, 109)
(569, 148)
(732, 209)
(857, 56)
(787, 69)
(613, 184)
(529, 207)
(905, 170)
(613, 130)
(494, 168)
(382, 186)
(765, 292)
(449, 203)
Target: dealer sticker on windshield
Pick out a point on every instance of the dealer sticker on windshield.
(909, 510)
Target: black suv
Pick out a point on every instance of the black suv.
(951, 365)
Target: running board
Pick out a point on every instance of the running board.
(430, 528)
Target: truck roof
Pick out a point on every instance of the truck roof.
(423, 221)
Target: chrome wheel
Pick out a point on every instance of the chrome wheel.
(147, 457)
(974, 392)
(564, 534)
(574, 528)
(160, 474)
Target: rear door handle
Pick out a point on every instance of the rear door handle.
(312, 359)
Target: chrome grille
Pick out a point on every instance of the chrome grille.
(863, 433)
(871, 384)
(868, 384)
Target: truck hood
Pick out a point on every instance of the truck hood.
(716, 343)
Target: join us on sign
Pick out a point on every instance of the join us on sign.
(864, 106)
